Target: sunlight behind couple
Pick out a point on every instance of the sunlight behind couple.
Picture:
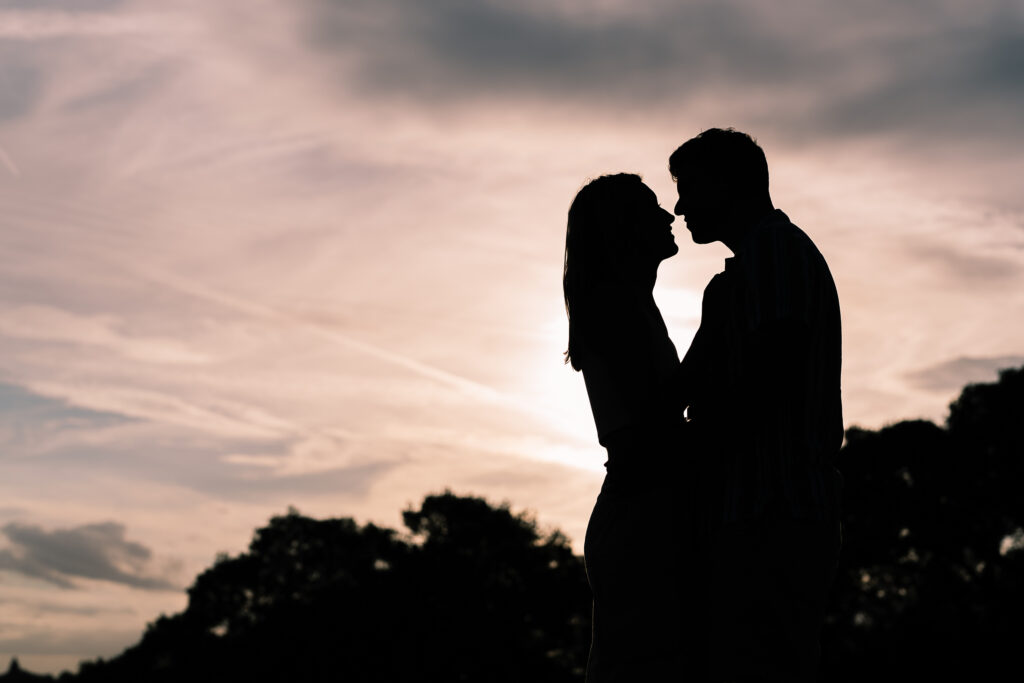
(565, 396)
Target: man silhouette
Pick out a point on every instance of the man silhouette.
(762, 386)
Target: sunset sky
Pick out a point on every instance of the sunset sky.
(256, 254)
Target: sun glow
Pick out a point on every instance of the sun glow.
(681, 310)
(560, 394)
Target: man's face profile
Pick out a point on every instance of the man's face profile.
(701, 204)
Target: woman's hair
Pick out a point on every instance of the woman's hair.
(596, 244)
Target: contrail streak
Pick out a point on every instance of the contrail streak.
(7, 161)
(467, 386)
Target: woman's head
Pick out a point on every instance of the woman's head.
(616, 236)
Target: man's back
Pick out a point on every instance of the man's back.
(771, 343)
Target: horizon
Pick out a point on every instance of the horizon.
(256, 255)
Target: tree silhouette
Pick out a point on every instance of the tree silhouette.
(474, 593)
(15, 674)
(504, 603)
(930, 583)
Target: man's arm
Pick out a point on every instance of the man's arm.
(776, 355)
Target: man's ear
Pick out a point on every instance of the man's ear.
(723, 192)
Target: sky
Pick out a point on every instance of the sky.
(256, 254)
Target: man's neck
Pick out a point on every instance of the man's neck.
(745, 224)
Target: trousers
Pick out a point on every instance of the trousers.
(672, 603)
(649, 609)
(769, 580)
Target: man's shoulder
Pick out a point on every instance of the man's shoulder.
(781, 263)
(779, 240)
(779, 231)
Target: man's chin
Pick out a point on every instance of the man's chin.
(700, 237)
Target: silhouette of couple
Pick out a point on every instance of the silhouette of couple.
(715, 537)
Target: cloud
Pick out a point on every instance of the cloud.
(61, 5)
(21, 82)
(871, 67)
(274, 459)
(959, 83)
(49, 607)
(40, 24)
(124, 88)
(44, 641)
(953, 375)
(91, 551)
(473, 49)
(55, 325)
(31, 424)
(955, 264)
(927, 87)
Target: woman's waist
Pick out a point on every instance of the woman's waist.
(651, 443)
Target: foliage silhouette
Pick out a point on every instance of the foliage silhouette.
(929, 584)
(15, 674)
(475, 593)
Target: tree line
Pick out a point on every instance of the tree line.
(930, 583)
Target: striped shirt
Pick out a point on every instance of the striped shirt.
(767, 363)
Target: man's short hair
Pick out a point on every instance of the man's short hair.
(724, 155)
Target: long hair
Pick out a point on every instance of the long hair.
(596, 242)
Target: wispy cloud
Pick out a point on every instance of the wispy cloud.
(917, 68)
(54, 325)
(8, 162)
(32, 20)
(78, 6)
(90, 551)
(954, 374)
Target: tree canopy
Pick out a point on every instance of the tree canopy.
(472, 592)
(931, 574)
(929, 586)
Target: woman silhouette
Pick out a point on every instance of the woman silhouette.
(617, 236)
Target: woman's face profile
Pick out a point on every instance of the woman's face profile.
(652, 227)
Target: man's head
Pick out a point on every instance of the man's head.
(722, 180)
